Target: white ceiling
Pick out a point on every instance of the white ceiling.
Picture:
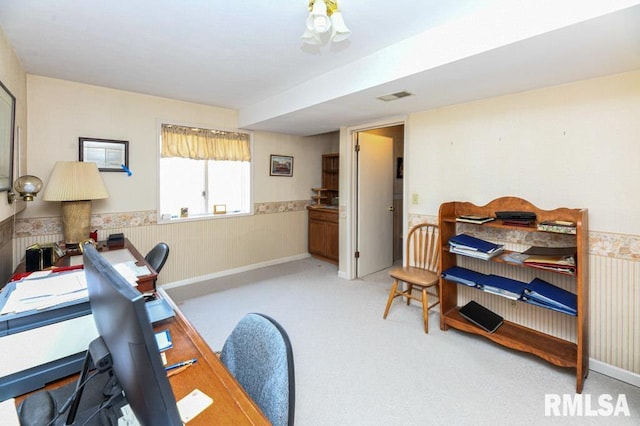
(247, 55)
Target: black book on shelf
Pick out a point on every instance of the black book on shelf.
(481, 316)
(516, 215)
(479, 219)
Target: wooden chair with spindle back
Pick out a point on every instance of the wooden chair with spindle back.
(420, 270)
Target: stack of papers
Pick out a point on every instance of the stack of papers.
(468, 245)
(50, 290)
(558, 226)
(557, 259)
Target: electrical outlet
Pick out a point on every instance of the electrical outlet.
(414, 198)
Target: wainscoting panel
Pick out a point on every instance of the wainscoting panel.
(615, 312)
(204, 247)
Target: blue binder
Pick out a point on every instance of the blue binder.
(503, 286)
(469, 242)
(464, 276)
(541, 293)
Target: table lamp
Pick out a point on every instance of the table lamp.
(75, 184)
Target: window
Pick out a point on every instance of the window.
(202, 170)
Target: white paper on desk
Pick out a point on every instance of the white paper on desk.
(46, 292)
(111, 256)
(8, 413)
(36, 275)
(193, 404)
(118, 256)
(31, 348)
(76, 260)
(128, 271)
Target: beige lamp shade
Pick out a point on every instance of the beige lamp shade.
(75, 183)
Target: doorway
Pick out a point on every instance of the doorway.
(378, 184)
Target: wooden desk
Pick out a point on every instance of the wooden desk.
(146, 283)
(231, 404)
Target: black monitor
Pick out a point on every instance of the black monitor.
(121, 320)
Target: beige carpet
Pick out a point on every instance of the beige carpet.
(354, 368)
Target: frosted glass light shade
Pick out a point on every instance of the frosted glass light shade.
(311, 37)
(73, 181)
(318, 20)
(339, 31)
(27, 186)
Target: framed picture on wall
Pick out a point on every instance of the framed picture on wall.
(281, 165)
(110, 155)
(400, 168)
(7, 123)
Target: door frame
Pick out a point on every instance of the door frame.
(347, 152)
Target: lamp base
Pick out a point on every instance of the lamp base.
(76, 221)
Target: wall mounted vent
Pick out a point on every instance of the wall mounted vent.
(394, 96)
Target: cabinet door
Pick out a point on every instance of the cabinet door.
(317, 237)
(333, 249)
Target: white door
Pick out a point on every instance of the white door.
(375, 204)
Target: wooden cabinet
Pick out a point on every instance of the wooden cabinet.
(326, 195)
(323, 233)
(331, 176)
(572, 351)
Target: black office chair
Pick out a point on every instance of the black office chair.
(258, 354)
(157, 256)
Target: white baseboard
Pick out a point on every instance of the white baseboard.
(615, 372)
(201, 278)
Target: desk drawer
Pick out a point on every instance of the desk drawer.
(323, 215)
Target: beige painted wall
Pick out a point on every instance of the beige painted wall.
(574, 145)
(13, 77)
(61, 111)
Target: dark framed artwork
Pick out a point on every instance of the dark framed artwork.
(110, 155)
(400, 168)
(7, 125)
(281, 165)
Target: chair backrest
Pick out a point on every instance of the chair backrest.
(423, 247)
(157, 256)
(258, 353)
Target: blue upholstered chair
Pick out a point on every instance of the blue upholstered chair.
(258, 354)
(157, 256)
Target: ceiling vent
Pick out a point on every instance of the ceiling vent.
(394, 96)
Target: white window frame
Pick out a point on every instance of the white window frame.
(207, 216)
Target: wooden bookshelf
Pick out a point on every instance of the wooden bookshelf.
(557, 351)
(331, 176)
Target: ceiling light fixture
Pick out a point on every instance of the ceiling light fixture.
(324, 15)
